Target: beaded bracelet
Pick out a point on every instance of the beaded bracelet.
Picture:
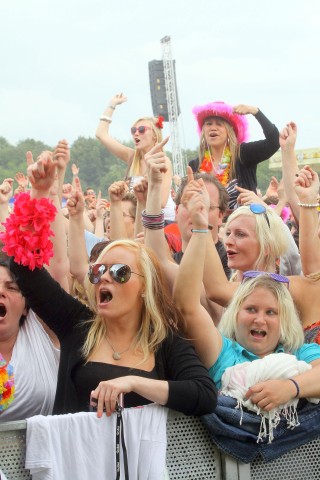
(309, 205)
(153, 222)
(297, 386)
(197, 230)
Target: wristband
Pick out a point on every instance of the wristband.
(197, 230)
(104, 118)
(297, 387)
(110, 106)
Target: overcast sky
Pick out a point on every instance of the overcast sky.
(62, 60)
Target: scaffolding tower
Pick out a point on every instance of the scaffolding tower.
(173, 111)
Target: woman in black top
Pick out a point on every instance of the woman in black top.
(223, 149)
(126, 341)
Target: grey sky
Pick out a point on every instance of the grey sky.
(62, 60)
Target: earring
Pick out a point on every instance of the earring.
(143, 295)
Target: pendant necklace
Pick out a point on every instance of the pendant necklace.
(117, 355)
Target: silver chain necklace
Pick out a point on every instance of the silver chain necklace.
(117, 355)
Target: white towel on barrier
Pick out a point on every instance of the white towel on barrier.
(81, 446)
(2, 475)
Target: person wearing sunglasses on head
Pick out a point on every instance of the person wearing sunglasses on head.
(126, 341)
(260, 320)
(146, 132)
(224, 150)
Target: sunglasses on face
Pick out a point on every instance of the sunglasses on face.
(140, 129)
(257, 208)
(275, 276)
(120, 272)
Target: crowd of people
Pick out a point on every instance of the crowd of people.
(174, 296)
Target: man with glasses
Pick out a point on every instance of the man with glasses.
(218, 206)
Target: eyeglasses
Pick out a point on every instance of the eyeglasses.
(257, 208)
(256, 273)
(140, 129)
(213, 207)
(120, 272)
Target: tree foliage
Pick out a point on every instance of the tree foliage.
(98, 167)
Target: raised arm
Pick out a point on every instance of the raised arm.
(188, 284)
(307, 189)
(117, 191)
(140, 190)
(290, 168)
(42, 176)
(5, 195)
(103, 135)
(76, 239)
(154, 237)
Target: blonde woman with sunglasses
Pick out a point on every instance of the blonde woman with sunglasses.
(126, 341)
(146, 132)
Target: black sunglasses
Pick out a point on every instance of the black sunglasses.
(140, 129)
(120, 272)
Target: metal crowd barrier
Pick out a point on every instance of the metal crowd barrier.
(190, 455)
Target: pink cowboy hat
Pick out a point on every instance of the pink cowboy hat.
(238, 122)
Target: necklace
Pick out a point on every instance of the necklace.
(222, 171)
(117, 355)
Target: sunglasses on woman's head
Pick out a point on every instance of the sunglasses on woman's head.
(257, 208)
(140, 129)
(256, 273)
(120, 272)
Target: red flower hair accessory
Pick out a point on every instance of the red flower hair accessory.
(27, 231)
(159, 122)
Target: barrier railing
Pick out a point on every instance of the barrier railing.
(190, 455)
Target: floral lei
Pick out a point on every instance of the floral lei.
(27, 231)
(222, 173)
(6, 384)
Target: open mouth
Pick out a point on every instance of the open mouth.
(3, 311)
(105, 296)
(137, 141)
(258, 333)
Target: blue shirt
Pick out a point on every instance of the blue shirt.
(233, 353)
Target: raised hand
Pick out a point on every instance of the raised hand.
(245, 109)
(246, 197)
(61, 154)
(156, 162)
(288, 136)
(21, 179)
(272, 190)
(75, 170)
(140, 190)
(43, 172)
(76, 203)
(306, 185)
(117, 191)
(118, 99)
(6, 190)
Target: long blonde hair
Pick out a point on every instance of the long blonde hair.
(158, 314)
(232, 143)
(271, 236)
(135, 168)
(291, 332)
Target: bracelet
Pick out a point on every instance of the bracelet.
(297, 387)
(153, 222)
(309, 205)
(104, 118)
(110, 106)
(196, 230)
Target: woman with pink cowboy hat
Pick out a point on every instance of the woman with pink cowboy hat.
(224, 150)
